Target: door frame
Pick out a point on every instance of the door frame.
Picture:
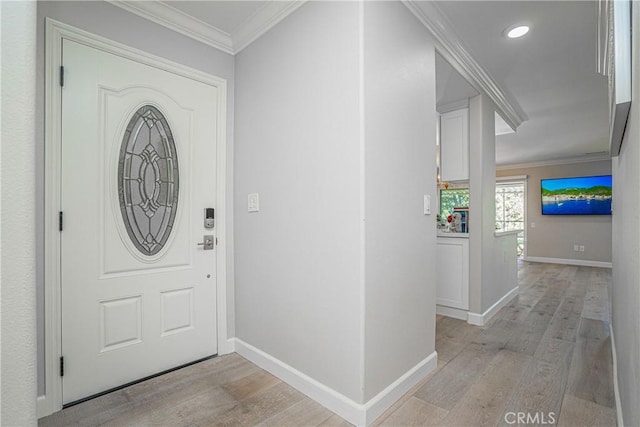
(55, 32)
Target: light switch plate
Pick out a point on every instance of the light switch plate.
(253, 202)
(427, 205)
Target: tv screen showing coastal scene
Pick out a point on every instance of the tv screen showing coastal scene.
(588, 195)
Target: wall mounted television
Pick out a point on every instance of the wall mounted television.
(585, 195)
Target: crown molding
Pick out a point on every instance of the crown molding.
(452, 106)
(178, 21)
(265, 18)
(555, 162)
(453, 49)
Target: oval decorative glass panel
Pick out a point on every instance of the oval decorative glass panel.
(148, 180)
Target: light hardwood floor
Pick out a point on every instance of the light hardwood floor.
(548, 354)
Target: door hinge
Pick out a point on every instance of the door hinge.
(61, 76)
(62, 366)
(60, 220)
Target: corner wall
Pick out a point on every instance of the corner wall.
(555, 235)
(335, 275)
(625, 290)
(298, 275)
(483, 285)
(400, 168)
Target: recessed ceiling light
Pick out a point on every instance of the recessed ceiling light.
(516, 31)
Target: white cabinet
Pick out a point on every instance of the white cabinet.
(452, 272)
(454, 145)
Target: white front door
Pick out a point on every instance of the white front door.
(138, 172)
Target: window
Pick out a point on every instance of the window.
(453, 198)
(148, 180)
(510, 209)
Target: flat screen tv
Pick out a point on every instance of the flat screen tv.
(585, 195)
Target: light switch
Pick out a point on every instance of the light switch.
(253, 202)
(533, 225)
(427, 205)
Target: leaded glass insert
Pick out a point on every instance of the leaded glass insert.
(148, 180)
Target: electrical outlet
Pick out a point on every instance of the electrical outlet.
(533, 225)
(581, 248)
(576, 248)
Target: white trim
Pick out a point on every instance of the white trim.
(265, 18)
(483, 319)
(390, 395)
(362, 208)
(581, 262)
(456, 313)
(52, 399)
(55, 32)
(178, 21)
(515, 179)
(554, 162)
(453, 49)
(452, 106)
(42, 406)
(356, 413)
(261, 21)
(616, 386)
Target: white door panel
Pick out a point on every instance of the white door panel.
(138, 293)
(116, 106)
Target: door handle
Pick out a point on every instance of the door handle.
(207, 244)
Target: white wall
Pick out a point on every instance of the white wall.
(18, 346)
(555, 235)
(482, 204)
(399, 84)
(504, 269)
(298, 278)
(625, 290)
(106, 20)
(335, 274)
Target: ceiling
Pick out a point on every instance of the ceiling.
(451, 87)
(225, 15)
(550, 73)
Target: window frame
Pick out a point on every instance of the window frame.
(519, 180)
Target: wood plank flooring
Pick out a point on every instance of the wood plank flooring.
(548, 354)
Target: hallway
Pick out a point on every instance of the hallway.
(547, 355)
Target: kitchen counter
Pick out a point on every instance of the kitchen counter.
(453, 235)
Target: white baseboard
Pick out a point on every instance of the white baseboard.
(390, 395)
(616, 388)
(227, 347)
(43, 408)
(456, 313)
(356, 413)
(580, 262)
(483, 319)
